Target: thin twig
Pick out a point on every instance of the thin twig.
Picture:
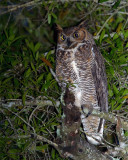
(106, 35)
(31, 3)
(41, 138)
(123, 13)
(15, 7)
(30, 117)
(110, 18)
(41, 103)
(21, 119)
(9, 121)
(38, 137)
(54, 75)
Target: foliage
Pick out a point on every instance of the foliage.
(27, 36)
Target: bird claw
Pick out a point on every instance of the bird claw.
(88, 106)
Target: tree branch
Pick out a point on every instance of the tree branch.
(33, 102)
(43, 102)
(12, 8)
(107, 116)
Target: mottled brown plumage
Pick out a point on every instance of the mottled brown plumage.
(80, 66)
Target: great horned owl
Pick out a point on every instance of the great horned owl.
(78, 62)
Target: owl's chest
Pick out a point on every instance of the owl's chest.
(74, 68)
(80, 69)
(80, 73)
(82, 79)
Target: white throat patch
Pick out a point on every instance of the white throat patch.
(78, 93)
(74, 65)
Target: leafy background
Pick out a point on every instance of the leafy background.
(27, 50)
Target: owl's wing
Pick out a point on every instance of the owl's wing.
(100, 79)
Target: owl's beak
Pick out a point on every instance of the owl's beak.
(68, 42)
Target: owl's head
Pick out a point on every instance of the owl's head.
(69, 38)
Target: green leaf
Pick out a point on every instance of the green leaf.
(126, 45)
(27, 73)
(78, 6)
(49, 77)
(24, 97)
(53, 153)
(43, 130)
(34, 82)
(46, 85)
(126, 34)
(118, 107)
(7, 80)
(40, 78)
(125, 92)
(108, 40)
(53, 125)
(48, 54)
(25, 127)
(53, 15)
(6, 123)
(123, 58)
(13, 153)
(101, 1)
(102, 36)
(112, 103)
(115, 36)
(16, 83)
(37, 46)
(51, 6)
(110, 92)
(11, 37)
(40, 148)
(112, 70)
(49, 18)
(126, 133)
(115, 89)
(85, 5)
(65, 4)
(33, 67)
(116, 4)
(119, 100)
(30, 45)
(37, 56)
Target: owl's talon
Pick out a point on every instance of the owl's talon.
(89, 113)
(89, 107)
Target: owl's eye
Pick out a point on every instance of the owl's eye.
(76, 35)
(62, 37)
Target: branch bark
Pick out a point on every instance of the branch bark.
(33, 102)
(107, 116)
(43, 102)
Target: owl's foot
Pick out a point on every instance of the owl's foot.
(89, 113)
(94, 139)
(88, 106)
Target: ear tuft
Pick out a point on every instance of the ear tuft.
(58, 28)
